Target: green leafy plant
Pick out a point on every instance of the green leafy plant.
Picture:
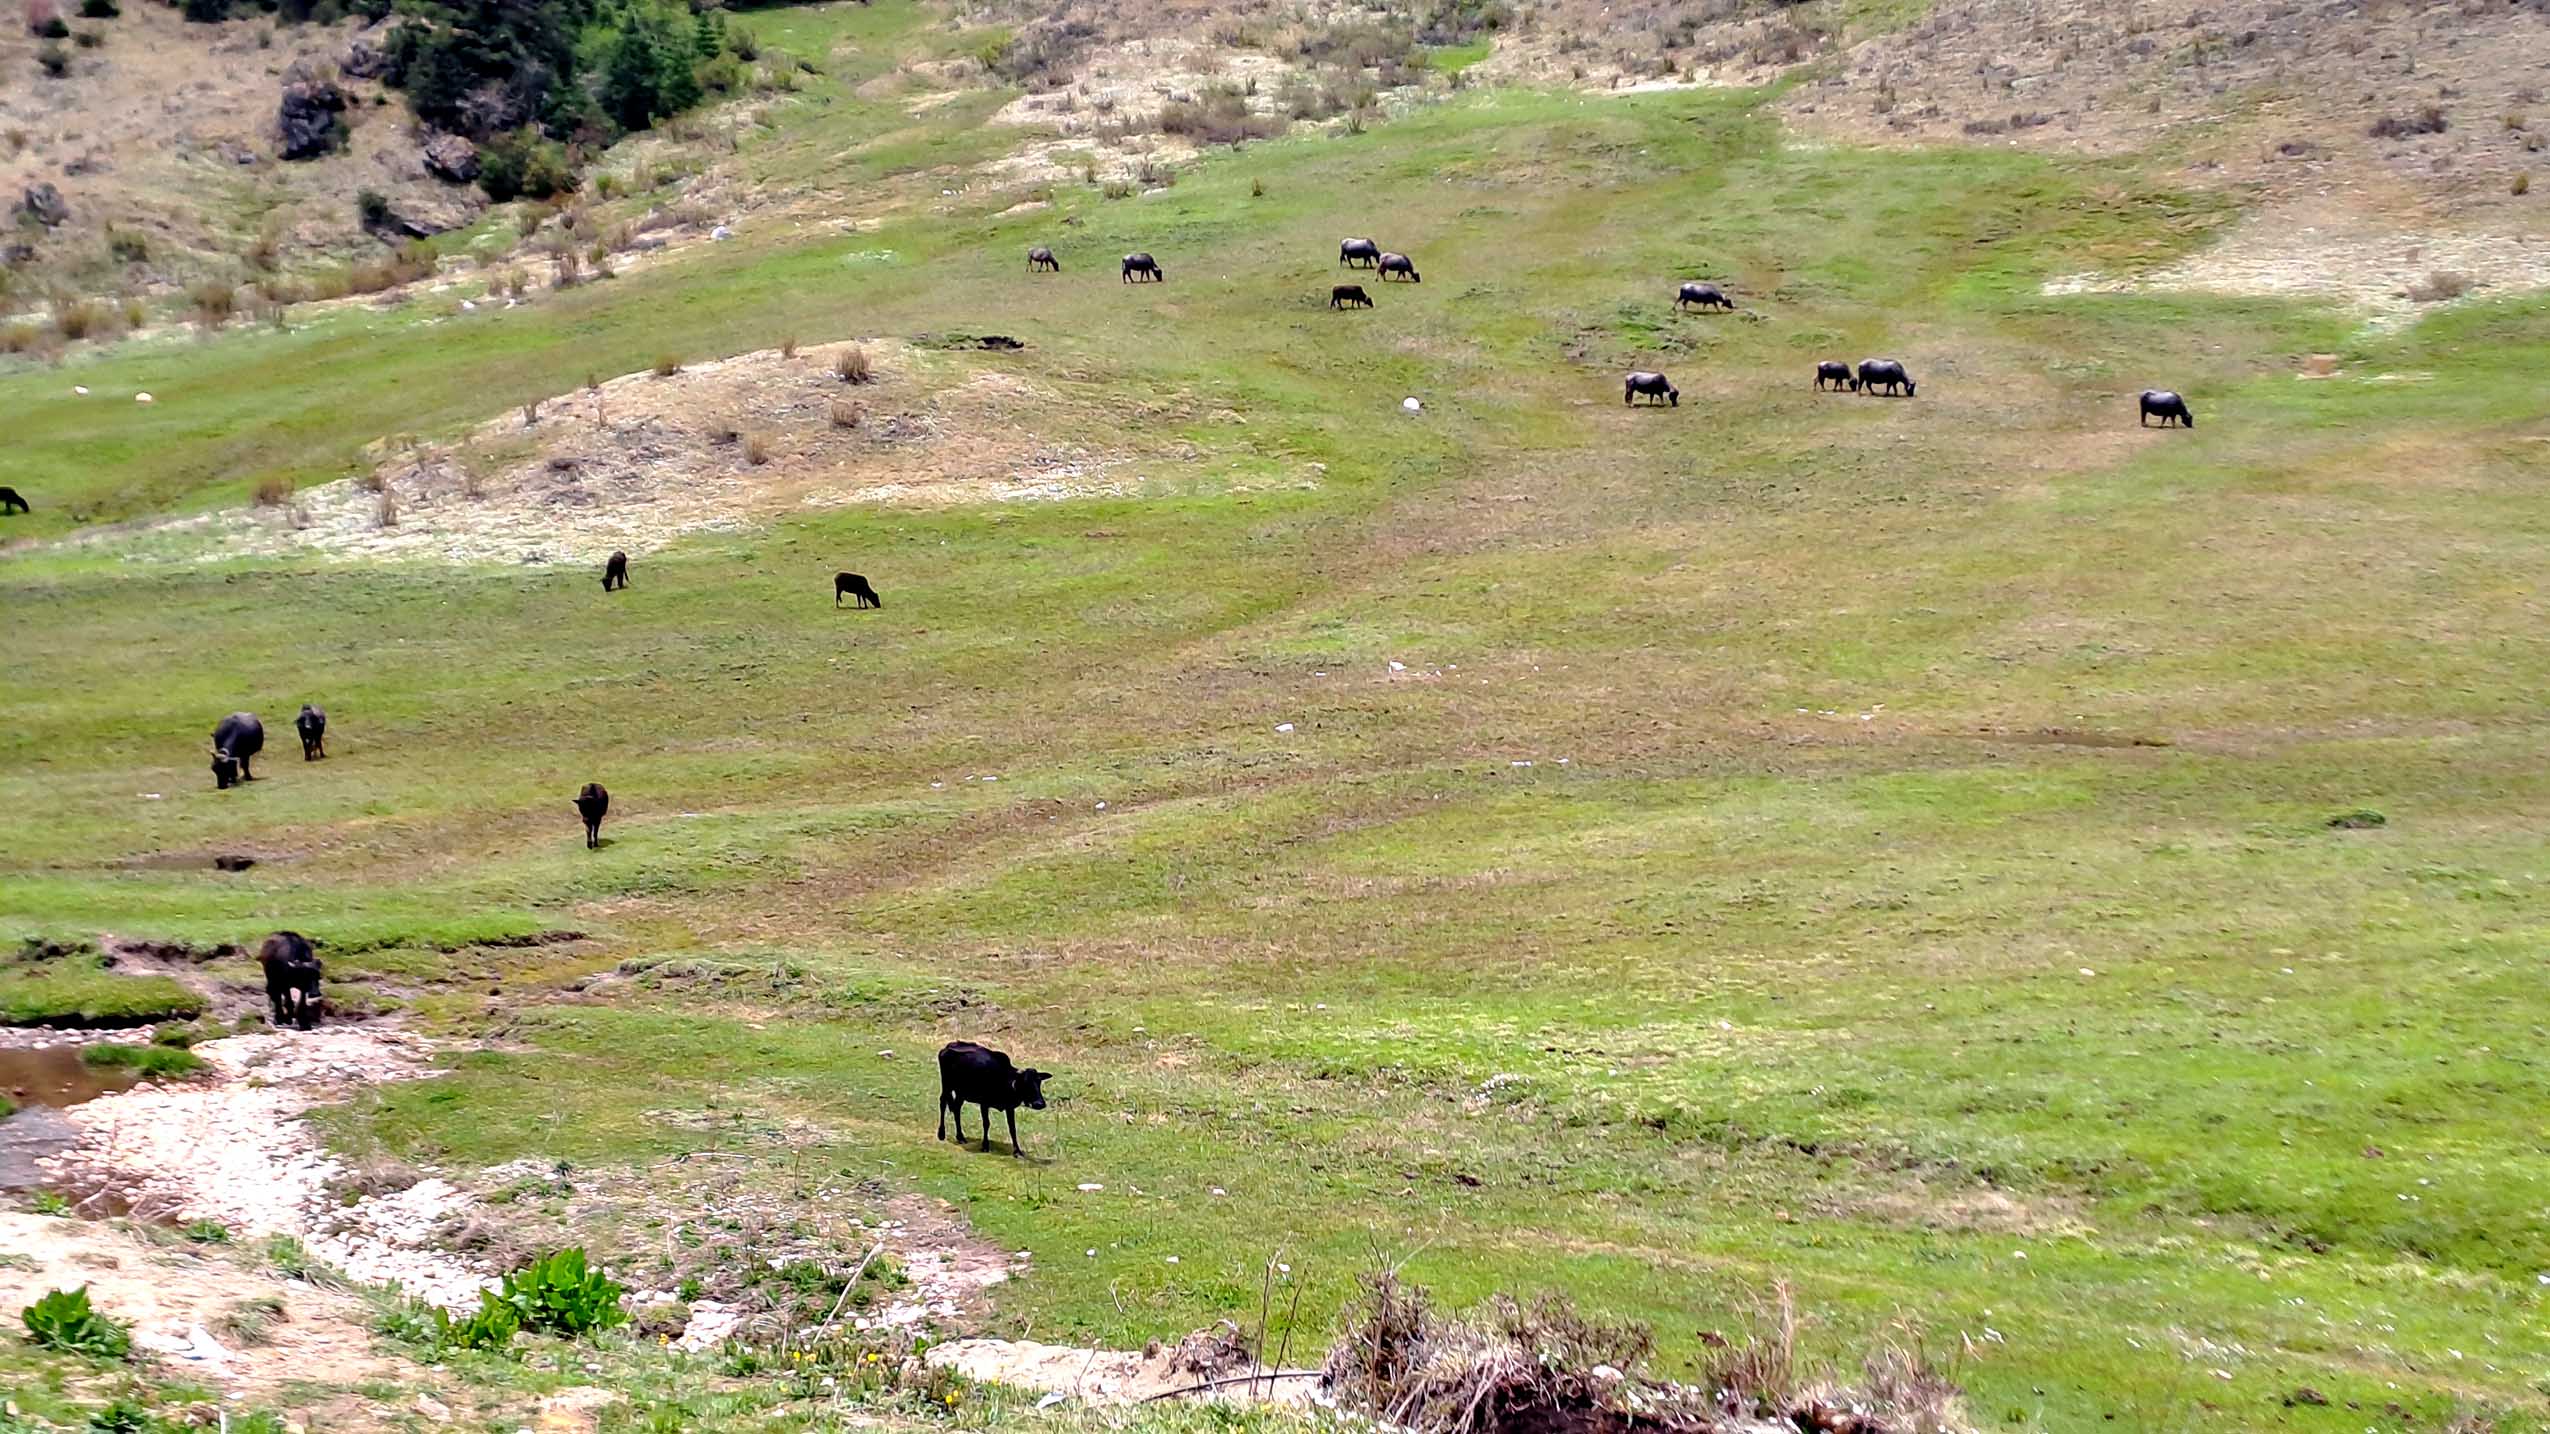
(49, 1202)
(64, 1320)
(206, 1232)
(559, 1293)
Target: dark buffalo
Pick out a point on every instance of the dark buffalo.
(615, 573)
(1345, 296)
(977, 1075)
(1041, 257)
(312, 724)
(1654, 385)
(855, 587)
(1836, 375)
(292, 979)
(1146, 266)
(1703, 296)
(10, 502)
(1390, 264)
(592, 804)
(2168, 407)
(1359, 254)
(1887, 374)
(238, 738)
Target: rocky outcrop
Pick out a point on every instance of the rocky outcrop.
(450, 157)
(311, 121)
(45, 204)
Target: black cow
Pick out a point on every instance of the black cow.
(1654, 385)
(1390, 264)
(854, 586)
(312, 724)
(2167, 406)
(1875, 374)
(236, 739)
(292, 979)
(615, 573)
(1704, 296)
(977, 1075)
(1041, 257)
(1836, 375)
(592, 804)
(1146, 266)
(1344, 296)
(1359, 254)
(10, 502)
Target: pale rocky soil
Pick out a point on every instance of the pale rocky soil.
(174, 1297)
(168, 130)
(649, 459)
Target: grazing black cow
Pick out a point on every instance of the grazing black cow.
(615, 573)
(2165, 405)
(977, 1075)
(592, 804)
(1704, 296)
(292, 979)
(1345, 296)
(1359, 254)
(1887, 374)
(1146, 266)
(854, 586)
(236, 739)
(10, 502)
(312, 724)
(1041, 257)
(1654, 385)
(1390, 264)
(1836, 375)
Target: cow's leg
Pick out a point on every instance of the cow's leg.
(274, 1001)
(942, 1112)
(1013, 1132)
(987, 1125)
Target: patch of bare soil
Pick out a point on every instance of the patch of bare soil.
(244, 1332)
(165, 132)
(230, 1146)
(2426, 108)
(1210, 1364)
(641, 460)
(2315, 250)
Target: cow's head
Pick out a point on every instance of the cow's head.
(1908, 388)
(1029, 1086)
(225, 769)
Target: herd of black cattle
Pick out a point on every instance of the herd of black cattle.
(970, 1074)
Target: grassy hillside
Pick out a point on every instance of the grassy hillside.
(1882, 846)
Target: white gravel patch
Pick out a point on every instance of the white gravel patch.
(232, 1146)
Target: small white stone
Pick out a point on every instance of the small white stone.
(1283, 726)
(142, 398)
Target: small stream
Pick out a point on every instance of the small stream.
(43, 1082)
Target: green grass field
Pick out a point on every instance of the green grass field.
(1881, 846)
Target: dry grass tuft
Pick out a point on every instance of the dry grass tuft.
(846, 414)
(757, 450)
(667, 365)
(385, 510)
(854, 366)
(2437, 287)
(273, 491)
(788, 347)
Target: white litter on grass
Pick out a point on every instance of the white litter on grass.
(721, 232)
(1283, 726)
(1411, 405)
(2086, 971)
(1173, 1259)
(1397, 666)
(81, 389)
(141, 398)
(1091, 1186)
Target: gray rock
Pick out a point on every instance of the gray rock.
(451, 157)
(45, 204)
(309, 124)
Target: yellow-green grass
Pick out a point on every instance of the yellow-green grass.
(1837, 931)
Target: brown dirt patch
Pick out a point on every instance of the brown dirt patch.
(645, 459)
(176, 1300)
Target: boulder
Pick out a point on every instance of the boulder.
(309, 124)
(44, 203)
(451, 157)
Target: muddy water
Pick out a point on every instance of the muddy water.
(41, 1083)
